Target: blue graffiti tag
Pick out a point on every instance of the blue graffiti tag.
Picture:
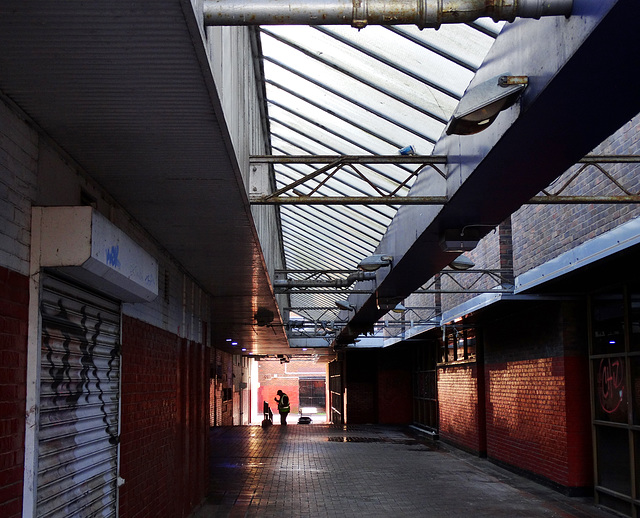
(112, 256)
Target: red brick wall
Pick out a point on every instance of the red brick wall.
(268, 394)
(165, 422)
(14, 300)
(538, 418)
(579, 445)
(530, 409)
(459, 403)
(395, 398)
(274, 376)
(395, 401)
(361, 386)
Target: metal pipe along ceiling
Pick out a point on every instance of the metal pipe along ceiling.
(360, 13)
(333, 283)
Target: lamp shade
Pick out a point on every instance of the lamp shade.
(373, 262)
(480, 105)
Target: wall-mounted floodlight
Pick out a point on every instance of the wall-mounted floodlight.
(373, 262)
(480, 106)
(345, 305)
(462, 262)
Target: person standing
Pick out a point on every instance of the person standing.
(283, 406)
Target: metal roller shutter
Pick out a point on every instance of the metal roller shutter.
(79, 402)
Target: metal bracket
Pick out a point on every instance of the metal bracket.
(360, 14)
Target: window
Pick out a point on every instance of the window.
(312, 393)
(459, 345)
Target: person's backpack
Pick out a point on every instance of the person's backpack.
(284, 403)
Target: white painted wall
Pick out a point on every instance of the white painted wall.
(35, 172)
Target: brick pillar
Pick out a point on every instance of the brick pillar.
(506, 252)
(14, 300)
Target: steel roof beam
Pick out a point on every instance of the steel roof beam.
(349, 159)
(324, 144)
(560, 118)
(360, 215)
(326, 170)
(300, 181)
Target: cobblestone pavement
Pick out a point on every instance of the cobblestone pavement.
(322, 470)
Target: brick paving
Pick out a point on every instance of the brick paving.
(323, 470)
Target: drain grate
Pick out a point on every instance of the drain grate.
(355, 439)
(418, 445)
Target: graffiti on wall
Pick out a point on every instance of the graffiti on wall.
(610, 384)
(81, 368)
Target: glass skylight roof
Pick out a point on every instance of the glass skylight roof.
(336, 90)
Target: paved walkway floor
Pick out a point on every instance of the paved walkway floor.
(368, 471)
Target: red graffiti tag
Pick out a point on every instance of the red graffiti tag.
(610, 384)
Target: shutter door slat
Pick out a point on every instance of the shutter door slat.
(79, 402)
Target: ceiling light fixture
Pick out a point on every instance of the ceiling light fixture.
(462, 262)
(480, 105)
(373, 262)
(345, 305)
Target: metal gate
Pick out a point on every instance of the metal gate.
(425, 385)
(79, 402)
(336, 392)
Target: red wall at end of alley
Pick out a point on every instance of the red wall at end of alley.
(395, 405)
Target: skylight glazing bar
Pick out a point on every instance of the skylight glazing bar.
(338, 115)
(357, 103)
(308, 238)
(361, 225)
(484, 30)
(337, 255)
(388, 62)
(351, 100)
(353, 218)
(350, 74)
(309, 228)
(317, 125)
(432, 48)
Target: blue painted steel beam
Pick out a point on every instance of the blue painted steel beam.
(583, 76)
